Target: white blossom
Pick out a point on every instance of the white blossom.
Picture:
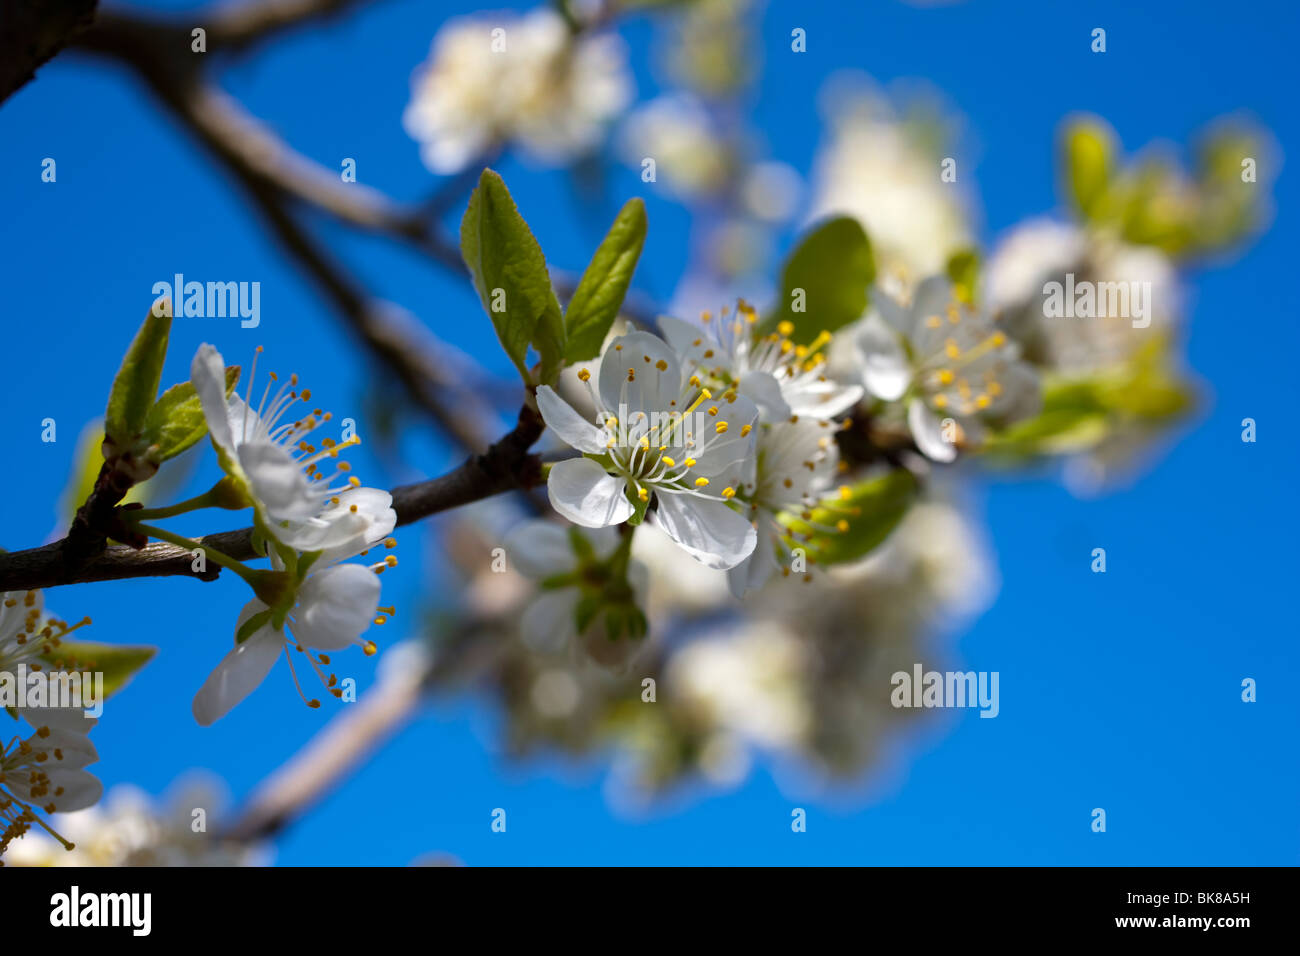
(664, 440)
(794, 465)
(267, 454)
(782, 378)
(526, 79)
(948, 364)
(332, 606)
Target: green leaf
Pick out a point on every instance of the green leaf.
(509, 273)
(871, 511)
(825, 280)
(176, 422)
(1078, 414)
(1089, 149)
(963, 268)
(601, 290)
(117, 662)
(87, 461)
(136, 385)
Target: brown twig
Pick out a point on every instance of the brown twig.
(32, 31)
(505, 466)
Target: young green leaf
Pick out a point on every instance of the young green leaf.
(825, 280)
(176, 423)
(509, 273)
(601, 290)
(872, 510)
(136, 385)
(963, 268)
(1089, 165)
(117, 662)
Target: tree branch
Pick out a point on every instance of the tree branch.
(505, 466)
(32, 31)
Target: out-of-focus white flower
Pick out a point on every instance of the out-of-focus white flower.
(747, 681)
(950, 365)
(659, 435)
(278, 470)
(31, 638)
(874, 168)
(491, 79)
(781, 378)
(130, 829)
(941, 549)
(677, 133)
(676, 586)
(1042, 251)
(45, 773)
(794, 463)
(771, 191)
(567, 570)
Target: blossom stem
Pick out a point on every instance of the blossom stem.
(205, 500)
(216, 557)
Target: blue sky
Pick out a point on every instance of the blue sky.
(1118, 690)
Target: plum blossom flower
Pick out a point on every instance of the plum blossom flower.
(879, 168)
(951, 367)
(527, 79)
(129, 828)
(1044, 250)
(46, 772)
(580, 572)
(271, 462)
(794, 465)
(327, 611)
(782, 378)
(30, 637)
(663, 441)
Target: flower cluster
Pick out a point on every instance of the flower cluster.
(711, 434)
(45, 771)
(310, 522)
(525, 79)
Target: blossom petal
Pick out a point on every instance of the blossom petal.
(763, 389)
(933, 296)
(547, 624)
(240, 672)
(540, 549)
(894, 314)
(208, 376)
(755, 570)
(706, 528)
(656, 376)
(67, 750)
(927, 430)
(581, 491)
(689, 340)
(62, 790)
(823, 399)
(885, 369)
(728, 452)
(570, 427)
(278, 481)
(335, 606)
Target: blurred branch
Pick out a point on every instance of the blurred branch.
(238, 25)
(333, 753)
(32, 31)
(353, 734)
(507, 465)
